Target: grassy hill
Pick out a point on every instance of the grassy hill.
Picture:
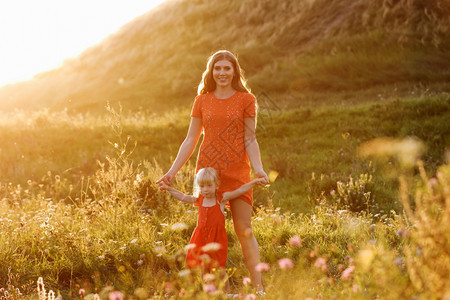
(286, 47)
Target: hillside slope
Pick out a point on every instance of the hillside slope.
(284, 46)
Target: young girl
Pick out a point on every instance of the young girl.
(209, 243)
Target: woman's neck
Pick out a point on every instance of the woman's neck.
(224, 92)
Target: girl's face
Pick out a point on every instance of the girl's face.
(208, 189)
(223, 73)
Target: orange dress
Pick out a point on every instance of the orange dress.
(210, 229)
(223, 146)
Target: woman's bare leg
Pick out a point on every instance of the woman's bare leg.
(241, 212)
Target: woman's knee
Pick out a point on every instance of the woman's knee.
(243, 229)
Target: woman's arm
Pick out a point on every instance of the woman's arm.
(177, 194)
(185, 151)
(252, 148)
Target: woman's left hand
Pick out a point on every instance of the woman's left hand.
(262, 174)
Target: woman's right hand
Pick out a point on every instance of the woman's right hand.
(163, 186)
(167, 179)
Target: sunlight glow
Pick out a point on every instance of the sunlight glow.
(37, 36)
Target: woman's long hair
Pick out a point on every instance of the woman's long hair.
(207, 84)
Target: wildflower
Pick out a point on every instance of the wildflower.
(190, 246)
(209, 288)
(321, 263)
(208, 277)
(366, 257)
(432, 182)
(179, 227)
(276, 219)
(400, 232)
(41, 288)
(347, 273)
(121, 269)
(211, 247)
(399, 261)
(250, 297)
(184, 273)
(262, 267)
(141, 293)
(182, 292)
(355, 288)
(205, 258)
(285, 263)
(140, 262)
(160, 249)
(246, 281)
(116, 295)
(81, 292)
(295, 241)
(168, 287)
(51, 295)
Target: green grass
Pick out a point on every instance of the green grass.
(111, 240)
(82, 224)
(295, 142)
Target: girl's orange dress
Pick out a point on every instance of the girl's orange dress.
(210, 229)
(223, 146)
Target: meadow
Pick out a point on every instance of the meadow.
(344, 218)
(354, 104)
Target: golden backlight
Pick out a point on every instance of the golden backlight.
(37, 36)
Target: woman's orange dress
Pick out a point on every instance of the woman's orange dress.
(210, 229)
(223, 146)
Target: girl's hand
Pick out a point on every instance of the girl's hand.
(263, 175)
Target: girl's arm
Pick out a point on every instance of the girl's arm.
(252, 148)
(177, 194)
(242, 189)
(185, 151)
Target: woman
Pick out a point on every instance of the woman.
(225, 111)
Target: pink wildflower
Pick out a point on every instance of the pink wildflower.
(250, 297)
(347, 273)
(285, 263)
(262, 267)
(246, 281)
(168, 287)
(209, 288)
(295, 241)
(321, 263)
(116, 295)
(81, 292)
(355, 288)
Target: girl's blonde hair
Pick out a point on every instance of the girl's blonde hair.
(204, 176)
(207, 84)
(207, 175)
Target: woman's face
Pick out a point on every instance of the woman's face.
(223, 73)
